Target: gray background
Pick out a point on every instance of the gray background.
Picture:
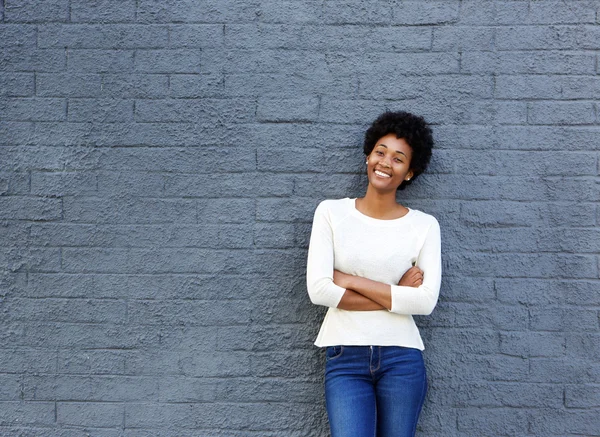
(160, 162)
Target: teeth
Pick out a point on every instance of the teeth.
(378, 173)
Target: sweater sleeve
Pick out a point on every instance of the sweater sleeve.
(319, 267)
(422, 300)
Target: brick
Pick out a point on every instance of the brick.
(27, 413)
(463, 38)
(585, 346)
(196, 35)
(132, 86)
(61, 184)
(240, 390)
(90, 388)
(102, 36)
(356, 12)
(225, 210)
(26, 360)
(168, 61)
(243, 185)
(33, 109)
(17, 85)
(238, 61)
(305, 11)
(395, 63)
(533, 344)
(180, 162)
(36, 11)
(129, 210)
(10, 387)
(30, 208)
(361, 38)
(285, 210)
(558, 12)
(418, 13)
(68, 85)
(582, 396)
(100, 61)
(188, 313)
(494, 421)
(561, 113)
(297, 110)
(547, 38)
(67, 310)
(14, 183)
(102, 11)
(171, 11)
(131, 183)
(400, 86)
(561, 319)
(90, 414)
(197, 85)
(86, 362)
(526, 62)
(184, 110)
(564, 370)
(564, 421)
(186, 389)
(284, 86)
(510, 394)
(503, 318)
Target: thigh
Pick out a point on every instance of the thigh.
(401, 390)
(349, 393)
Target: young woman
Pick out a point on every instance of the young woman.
(375, 263)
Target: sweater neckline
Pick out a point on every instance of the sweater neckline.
(366, 218)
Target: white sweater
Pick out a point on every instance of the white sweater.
(344, 239)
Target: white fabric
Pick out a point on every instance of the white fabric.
(344, 239)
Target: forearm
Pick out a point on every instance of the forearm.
(377, 292)
(353, 301)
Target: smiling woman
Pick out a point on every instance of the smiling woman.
(375, 263)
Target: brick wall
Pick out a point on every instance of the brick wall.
(160, 162)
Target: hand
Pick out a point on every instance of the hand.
(341, 279)
(412, 278)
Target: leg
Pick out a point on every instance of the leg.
(401, 390)
(349, 392)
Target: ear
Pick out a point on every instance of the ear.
(409, 175)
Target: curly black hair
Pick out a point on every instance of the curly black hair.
(415, 131)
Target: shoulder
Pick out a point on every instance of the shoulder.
(334, 206)
(424, 220)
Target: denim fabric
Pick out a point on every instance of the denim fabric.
(374, 391)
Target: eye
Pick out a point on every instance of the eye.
(379, 152)
(399, 160)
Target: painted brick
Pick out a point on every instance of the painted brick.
(160, 163)
(168, 61)
(33, 109)
(17, 85)
(102, 36)
(100, 61)
(36, 11)
(89, 413)
(102, 11)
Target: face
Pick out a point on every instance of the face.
(388, 165)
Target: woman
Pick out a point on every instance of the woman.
(375, 263)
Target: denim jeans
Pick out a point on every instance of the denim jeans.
(374, 390)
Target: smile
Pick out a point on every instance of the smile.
(382, 174)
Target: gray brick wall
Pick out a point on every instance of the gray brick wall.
(160, 162)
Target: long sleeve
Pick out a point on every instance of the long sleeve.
(320, 264)
(422, 300)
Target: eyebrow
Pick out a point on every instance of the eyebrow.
(397, 151)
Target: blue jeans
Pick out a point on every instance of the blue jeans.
(374, 390)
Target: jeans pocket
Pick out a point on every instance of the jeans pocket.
(333, 352)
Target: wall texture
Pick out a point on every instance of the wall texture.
(160, 162)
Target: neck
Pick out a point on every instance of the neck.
(378, 204)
